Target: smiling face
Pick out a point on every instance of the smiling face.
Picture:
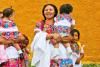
(75, 37)
(49, 12)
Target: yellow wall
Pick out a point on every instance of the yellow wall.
(86, 13)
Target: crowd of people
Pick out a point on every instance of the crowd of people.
(55, 43)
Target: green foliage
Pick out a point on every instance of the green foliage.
(91, 65)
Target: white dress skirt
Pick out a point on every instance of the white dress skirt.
(3, 55)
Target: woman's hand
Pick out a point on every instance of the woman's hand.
(80, 58)
(78, 61)
(8, 41)
(57, 37)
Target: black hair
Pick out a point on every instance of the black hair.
(7, 12)
(66, 8)
(55, 9)
(75, 31)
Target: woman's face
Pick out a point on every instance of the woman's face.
(49, 12)
(75, 37)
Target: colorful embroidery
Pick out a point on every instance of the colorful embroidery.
(76, 48)
(7, 29)
(8, 35)
(62, 30)
(61, 63)
(62, 17)
(7, 24)
(66, 63)
(48, 28)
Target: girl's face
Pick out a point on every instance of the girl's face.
(75, 37)
(49, 12)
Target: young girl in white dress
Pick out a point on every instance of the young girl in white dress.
(77, 48)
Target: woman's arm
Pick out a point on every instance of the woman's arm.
(49, 36)
(80, 58)
(2, 40)
(5, 41)
(55, 36)
(81, 55)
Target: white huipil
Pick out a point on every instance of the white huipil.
(75, 56)
(10, 52)
(58, 53)
(63, 24)
(41, 50)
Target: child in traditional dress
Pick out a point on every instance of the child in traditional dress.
(63, 25)
(9, 31)
(77, 48)
(64, 22)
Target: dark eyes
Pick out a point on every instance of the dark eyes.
(48, 9)
(75, 35)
